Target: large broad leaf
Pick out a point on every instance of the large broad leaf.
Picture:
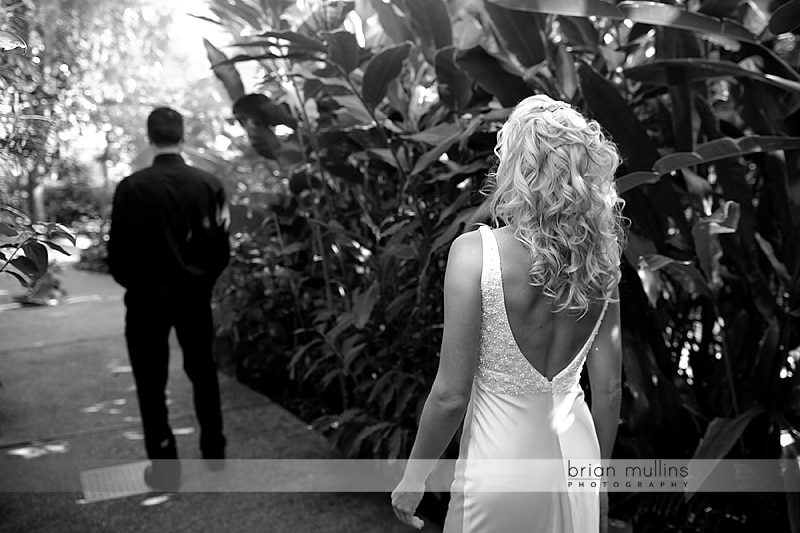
(648, 209)
(637, 247)
(445, 236)
(11, 41)
(634, 179)
(268, 42)
(454, 86)
(772, 62)
(719, 8)
(275, 50)
(652, 283)
(457, 169)
(570, 8)
(433, 155)
(7, 230)
(578, 31)
(261, 108)
(242, 58)
(709, 152)
(226, 73)
(493, 76)
(671, 44)
(26, 266)
(22, 281)
(779, 268)
(239, 11)
(741, 252)
(275, 8)
(257, 114)
(659, 14)
(392, 23)
(669, 72)
(654, 13)
(54, 229)
(779, 203)
(567, 73)
(437, 134)
(36, 252)
(720, 437)
(302, 42)
(468, 32)
(786, 18)
(706, 233)
(521, 32)
(430, 22)
(363, 304)
(683, 273)
(382, 69)
(352, 108)
(343, 50)
(615, 115)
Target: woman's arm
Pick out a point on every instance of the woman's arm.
(447, 402)
(444, 409)
(605, 378)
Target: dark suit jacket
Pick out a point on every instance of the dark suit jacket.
(168, 227)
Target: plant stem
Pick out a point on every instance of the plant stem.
(16, 251)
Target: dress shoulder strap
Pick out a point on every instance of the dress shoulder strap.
(490, 256)
(602, 315)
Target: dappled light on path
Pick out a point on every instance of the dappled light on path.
(155, 500)
(34, 450)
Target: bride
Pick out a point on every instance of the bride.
(525, 306)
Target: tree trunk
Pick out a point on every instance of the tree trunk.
(35, 196)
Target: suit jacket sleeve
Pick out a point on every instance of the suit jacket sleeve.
(119, 239)
(222, 248)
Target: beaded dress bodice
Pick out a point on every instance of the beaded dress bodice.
(502, 368)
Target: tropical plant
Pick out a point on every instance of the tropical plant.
(393, 121)
(72, 200)
(24, 245)
(349, 248)
(24, 242)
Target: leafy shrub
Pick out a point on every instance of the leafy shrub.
(74, 202)
(95, 257)
(24, 246)
(337, 279)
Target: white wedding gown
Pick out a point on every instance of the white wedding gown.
(516, 413)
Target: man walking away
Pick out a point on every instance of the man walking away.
(167, 245)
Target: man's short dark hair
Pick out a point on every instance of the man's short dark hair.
(165, 126)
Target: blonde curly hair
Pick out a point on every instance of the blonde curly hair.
(554, 186)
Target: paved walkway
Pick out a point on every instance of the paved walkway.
(67, 394)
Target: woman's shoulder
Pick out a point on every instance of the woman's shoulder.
(466, 252)
(468, 242)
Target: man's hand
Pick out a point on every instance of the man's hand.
(405, 499)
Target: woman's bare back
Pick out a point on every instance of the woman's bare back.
(549, 341)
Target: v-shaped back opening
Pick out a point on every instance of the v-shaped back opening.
(507, 322)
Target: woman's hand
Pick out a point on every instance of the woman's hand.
(603, 511)
(405, 499)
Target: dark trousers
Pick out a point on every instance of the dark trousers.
(150, 315)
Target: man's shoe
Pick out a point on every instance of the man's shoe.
(163, 475)
(215, 450)
(218, 453)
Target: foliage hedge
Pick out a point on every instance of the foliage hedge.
(334, 293)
